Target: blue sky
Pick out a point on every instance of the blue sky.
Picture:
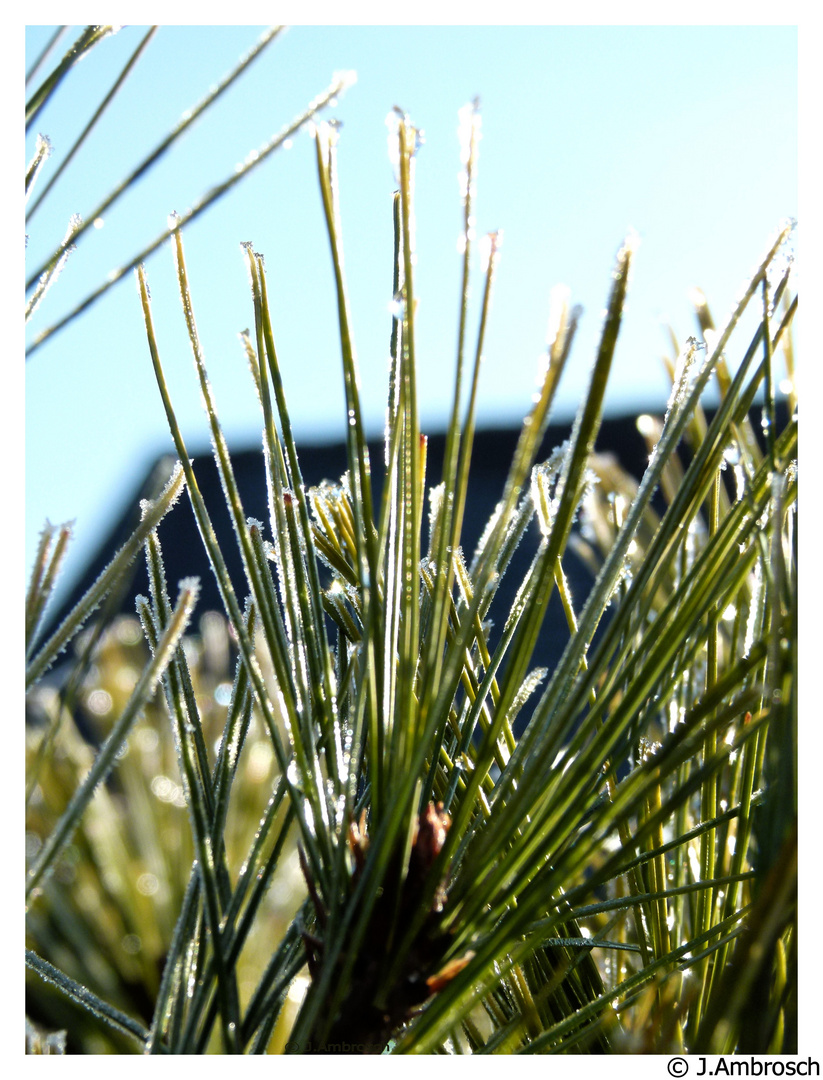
(686, 134)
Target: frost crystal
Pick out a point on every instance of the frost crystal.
(468, 132)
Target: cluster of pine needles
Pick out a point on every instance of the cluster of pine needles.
(311, 823)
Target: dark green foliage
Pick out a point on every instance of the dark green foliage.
(369, 859)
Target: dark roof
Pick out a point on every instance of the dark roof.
(183, 551)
